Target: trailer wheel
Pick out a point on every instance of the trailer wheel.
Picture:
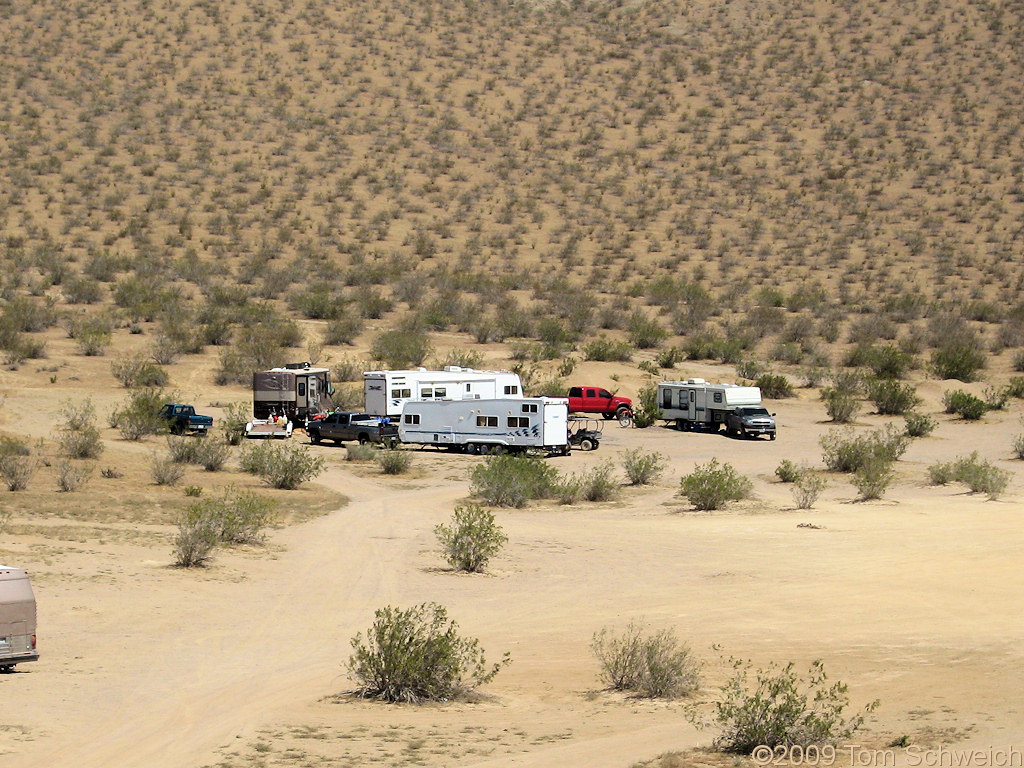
(497, 450)
(471, 448)
(586, 444)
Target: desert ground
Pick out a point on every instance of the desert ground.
(914, 599)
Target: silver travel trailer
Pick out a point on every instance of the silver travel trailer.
(498, 425)
(696, 403)
(387, 391)
(17, 618)
(297, 391)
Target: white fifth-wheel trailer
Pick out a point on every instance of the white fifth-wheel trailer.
(695, 402)
(497, 425)
(387, 391)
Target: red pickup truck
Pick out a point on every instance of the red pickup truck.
(597, 400)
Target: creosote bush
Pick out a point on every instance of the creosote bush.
(788, 471)
(891, 397)
(779, 708)
(281, 465)
(919, 424)
(841, 405)
(471, 538)
(79, 437)
(964, 404)
(846, 451)
(774, 386)
(643, 467)
(511, 481)
(654, 665)
(416, 654)
(807, 488)
(646, 410)
(872, 478)
(394, 461)
(140, 414)
(980, 475)
(711, 485)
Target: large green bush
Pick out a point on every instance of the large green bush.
(964, 405)
(471, 538)
(643, 467)
(281, 465)
(646, 410)
(891, 397)
(781, 709)
(958, 361)
(711, 485)
(139, 415)
(980, 475)
(417, 654)
(511, 481)
(846, 451)
(654, 664)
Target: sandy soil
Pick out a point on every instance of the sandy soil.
(916, 600)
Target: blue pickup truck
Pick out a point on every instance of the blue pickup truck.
(182, 419)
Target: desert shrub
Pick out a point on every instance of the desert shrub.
(668, 358)
(599, 484)
(78, 436)
(417, 654)
(192, 491)
(394, 461)
(654, 665)
(781, 709)
(979, 475)
(788, 471)
(236, 517)
(1018, 446)
(236, 416)
(807, 488)
(642, 467)
(711, 485)
(360, 453)
(841, 405)
(774, 386)
(845, 451)
(607, 350)
(891, 397)
(344, 329)
(872, 478)
(72, 477)
(645, 332)
(889, 361)
(568, 489)
(182, 450)
(471, 538)
(165, 470)
(140, 414)
(212, 454)
(1015, 387)
(749, 369)
(401, 348)
(996, 398)
(964, 404)
(17, 469)
(138, 371)
(195, 540)
(511, 481)
(646, 410)
(281, 465)
(919, 424)
(649, 366)
(956, 360)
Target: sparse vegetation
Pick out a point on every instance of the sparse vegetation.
(281, 465)
(846, 451)
(512, 481)
(416, 654)
(778, 707)
(979, 475)
(78, 435)
(394, 461)
(471, 538)
(710, 486)
(649, 664)
(643, 467)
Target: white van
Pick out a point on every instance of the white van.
(17, 619)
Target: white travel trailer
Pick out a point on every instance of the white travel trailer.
(496, 425)
(696, 402)
(17, 618)
(387, 391)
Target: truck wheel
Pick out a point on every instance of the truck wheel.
(625, 418)
(608, 416)
(364, 438)
(771, 436)
(586, 444)
(314, 437)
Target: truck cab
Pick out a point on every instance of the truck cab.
(599, 400)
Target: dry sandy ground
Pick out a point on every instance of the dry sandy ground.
(916, 600)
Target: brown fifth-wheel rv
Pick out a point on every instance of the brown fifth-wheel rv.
(17, 619)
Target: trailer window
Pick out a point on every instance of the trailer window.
(411, 418)
(302, 389)
(529, 407)
(718, 397)
(440, 392)
(511, 389)
(399, 393)
(427, 392)
(518, 421)
(487, 421)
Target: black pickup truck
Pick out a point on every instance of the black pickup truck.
(183, 418)
(362, 427)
